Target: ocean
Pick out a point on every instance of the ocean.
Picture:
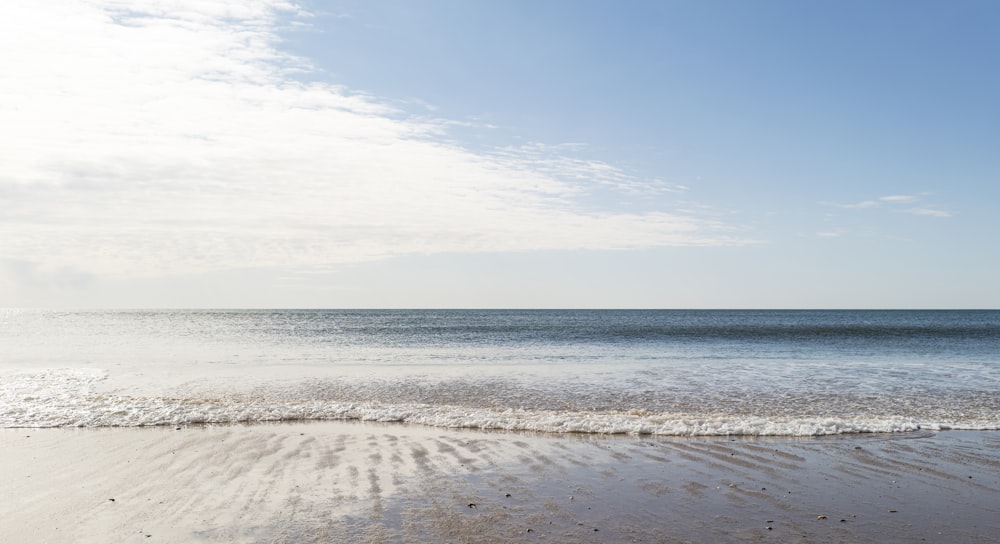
(658, 372)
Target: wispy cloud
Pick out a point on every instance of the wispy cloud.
(865, 204)
(860, 205)
(142, 139)
(880, 207)
(569, 162)
(929, 212)
(898, 198)
(892, 202)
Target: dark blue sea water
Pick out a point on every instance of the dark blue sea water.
(602, 371)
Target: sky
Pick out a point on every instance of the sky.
(517, 154)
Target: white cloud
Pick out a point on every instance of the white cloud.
(860, 205)
(150, 137)
(893, 201)
(569, 162)
(931, 212)
(897, 198)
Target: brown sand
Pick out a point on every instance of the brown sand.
(356, 482)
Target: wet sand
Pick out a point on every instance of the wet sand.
(364, 482)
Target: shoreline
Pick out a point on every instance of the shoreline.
(347, 481)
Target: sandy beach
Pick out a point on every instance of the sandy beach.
(365, 482)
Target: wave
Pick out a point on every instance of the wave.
(68, 398)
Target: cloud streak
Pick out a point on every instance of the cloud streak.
(142, 140)
(894, 201)
(931, 212)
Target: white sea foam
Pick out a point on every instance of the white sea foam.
(71, 398)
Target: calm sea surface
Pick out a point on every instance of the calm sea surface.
(660, 372)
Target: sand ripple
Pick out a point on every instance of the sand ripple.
(359, 482)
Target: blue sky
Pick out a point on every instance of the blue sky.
(499, 154)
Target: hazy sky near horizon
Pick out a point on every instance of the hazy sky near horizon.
(447, 153)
